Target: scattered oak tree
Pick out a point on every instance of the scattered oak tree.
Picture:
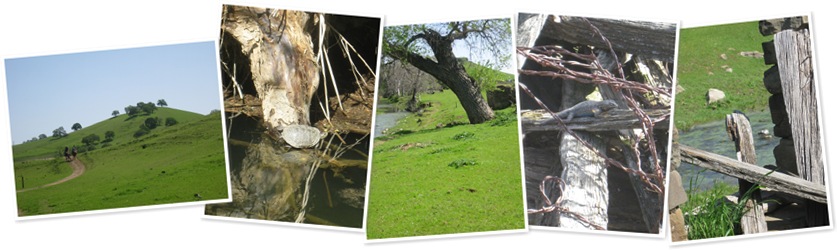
(115, 113)
(90, 140)
(429, 47)
(170, 121)
(76, 126)
(109, 136)
(162, 103)
(59, 132)
(132, 110)
(42, 136)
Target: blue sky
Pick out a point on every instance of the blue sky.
(47, 92)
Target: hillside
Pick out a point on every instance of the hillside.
(492, 74)
(181, 163)
(399, 78)
(710, 57)
(122, 125)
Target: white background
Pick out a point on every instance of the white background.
(49, 27)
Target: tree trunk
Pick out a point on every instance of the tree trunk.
(452, 74)
(280, 57)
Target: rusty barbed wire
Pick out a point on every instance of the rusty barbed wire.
(553, 57)
(552, 207)
(609, 160)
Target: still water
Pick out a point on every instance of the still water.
(387, 117)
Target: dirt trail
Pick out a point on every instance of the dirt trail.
(78, 170)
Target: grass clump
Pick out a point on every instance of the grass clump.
(461, 163)
(709, 215)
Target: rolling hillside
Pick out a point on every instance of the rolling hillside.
(122, 125)
(179, 163)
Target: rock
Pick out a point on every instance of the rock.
(502, 97)
(786, 156)
(724, 56)
(714, 95)
(772, 81)
(769, 52)
(301, 136)
(773, 26)
(753, 54)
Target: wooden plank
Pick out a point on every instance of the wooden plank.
(585, 175)
(529, 28)
(794, 61)
(738, 128)
(775, 180)
(622, 34)
(793, 56)
(540, 120)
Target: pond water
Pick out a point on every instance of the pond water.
(713, 137)
(387, 117)
(336, 196)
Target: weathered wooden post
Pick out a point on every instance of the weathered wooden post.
(794, 105)
(585, 175)
(739, 130)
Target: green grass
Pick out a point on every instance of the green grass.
(699, 68)
(458, 179)
(170, 164)
(707, 215)
(39, 172)
(122, 125)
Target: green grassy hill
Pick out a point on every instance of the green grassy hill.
(122, 125)
(428, 180)
(168, 165)
(700, 67)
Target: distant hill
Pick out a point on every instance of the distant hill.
(472, 69)
(122, 125)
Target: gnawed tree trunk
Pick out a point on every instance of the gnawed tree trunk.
(281, 59)
(451, 73)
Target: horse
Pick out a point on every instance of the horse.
(66, 153)
(75, 152)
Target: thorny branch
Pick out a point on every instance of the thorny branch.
(552, 57)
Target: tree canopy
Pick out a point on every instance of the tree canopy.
(429, 47)
(59, 132)
(76, 126)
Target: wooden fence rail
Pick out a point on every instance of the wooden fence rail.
(756, 174)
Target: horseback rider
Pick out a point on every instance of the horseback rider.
(67, 153)
(75, 152)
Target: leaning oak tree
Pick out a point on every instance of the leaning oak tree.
(435, 55)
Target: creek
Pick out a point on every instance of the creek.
(713, 137)
(387, 117)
